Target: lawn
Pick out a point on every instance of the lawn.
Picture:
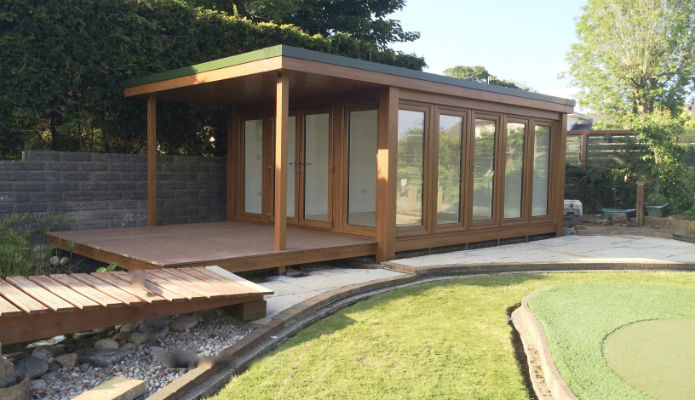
(578, 317)
(441, 340)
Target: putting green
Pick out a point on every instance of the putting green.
(657, 357)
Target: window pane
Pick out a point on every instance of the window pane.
(541, 153)
(514, 169)
(291, 166)
(316, 148)
(362, 168)
(483, 169)
(449, 175)
(253, 166)
(411, 146)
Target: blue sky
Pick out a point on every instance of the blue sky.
(523, 40)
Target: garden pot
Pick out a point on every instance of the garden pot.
(656, 211)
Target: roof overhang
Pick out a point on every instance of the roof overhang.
(250, 77)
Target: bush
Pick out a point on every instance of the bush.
(22, 244)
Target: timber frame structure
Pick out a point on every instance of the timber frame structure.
(311, 103)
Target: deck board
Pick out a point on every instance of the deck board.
(234, 245)
(52, 301)
(108, 288)
(87, 291)
(149, 291)
(20, 299)
(214, 290)
(8, 309)
(65, 293)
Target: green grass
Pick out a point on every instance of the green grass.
(442, 340)
(577, 317)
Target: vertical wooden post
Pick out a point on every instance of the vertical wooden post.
(558, 188)
(281, 131)
(387, 162)
(152, 160)
(640, 204)
(230, 165)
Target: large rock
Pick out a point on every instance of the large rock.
(106, 344)
(184, 323)
(176, 358)
(19, 391)
(43, 353)
(31, 367)
(138, 338)
(6, 372)
(67, 361)
(103, 357)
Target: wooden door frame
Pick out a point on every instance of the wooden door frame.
(539, 219)
(301, 145)
(465, 115)
(424, 228)
(494, 204)
(523, 218)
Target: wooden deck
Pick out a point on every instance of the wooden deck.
(235, 246)
(38, 307)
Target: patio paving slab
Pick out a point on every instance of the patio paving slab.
(574, 249)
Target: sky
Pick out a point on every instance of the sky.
(524, 40)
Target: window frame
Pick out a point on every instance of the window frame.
(524, 179)
(495, 203)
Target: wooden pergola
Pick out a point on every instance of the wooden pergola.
(275, 84)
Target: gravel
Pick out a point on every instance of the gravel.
(207, 338)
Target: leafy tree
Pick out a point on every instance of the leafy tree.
(361, 19)
(481, 75)
(634, 56)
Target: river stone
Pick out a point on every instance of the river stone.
(19, 391)
(67, 361)
(106, 344)
(6, 372)
(31, 367)
(43, 353)
(38, 385)
(184, 323)
(127, 328)
(138, 338)
(102, 357)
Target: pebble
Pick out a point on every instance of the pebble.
(106, 344)
(141, 363)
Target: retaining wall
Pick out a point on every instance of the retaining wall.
(106, 190)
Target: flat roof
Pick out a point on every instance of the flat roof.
(310, 55)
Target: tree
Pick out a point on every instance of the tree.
(634, 56)
(361, 19)
(481, 75)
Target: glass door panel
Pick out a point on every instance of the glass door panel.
(411, 166)
(514, 169)
(362, 168)
(541, 161)
(483, 169)
(449, 171)
(316, 166)
(253, 166)
(291, 165)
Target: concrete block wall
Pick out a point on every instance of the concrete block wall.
(100, 190)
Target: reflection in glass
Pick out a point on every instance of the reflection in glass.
(449, 172)
(410, 173)
(514, 169)
(253, 166)
(291, 164)
(483, 169)
(541, 159)
(362, 168)
(316, 150)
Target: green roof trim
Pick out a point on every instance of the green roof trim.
(311, 55)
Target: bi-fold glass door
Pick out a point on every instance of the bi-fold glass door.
(309, 173)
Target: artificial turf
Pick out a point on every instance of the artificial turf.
(441, 340)
(655, 356)
(577, 317)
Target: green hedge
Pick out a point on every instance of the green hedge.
(63, 62)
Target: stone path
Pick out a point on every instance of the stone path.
(294, 290)
(571, 249)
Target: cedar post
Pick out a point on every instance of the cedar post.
(640, 204)
(151, 160)
(230, 165)
(282, 100)
(386, 160)
(558, 187)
